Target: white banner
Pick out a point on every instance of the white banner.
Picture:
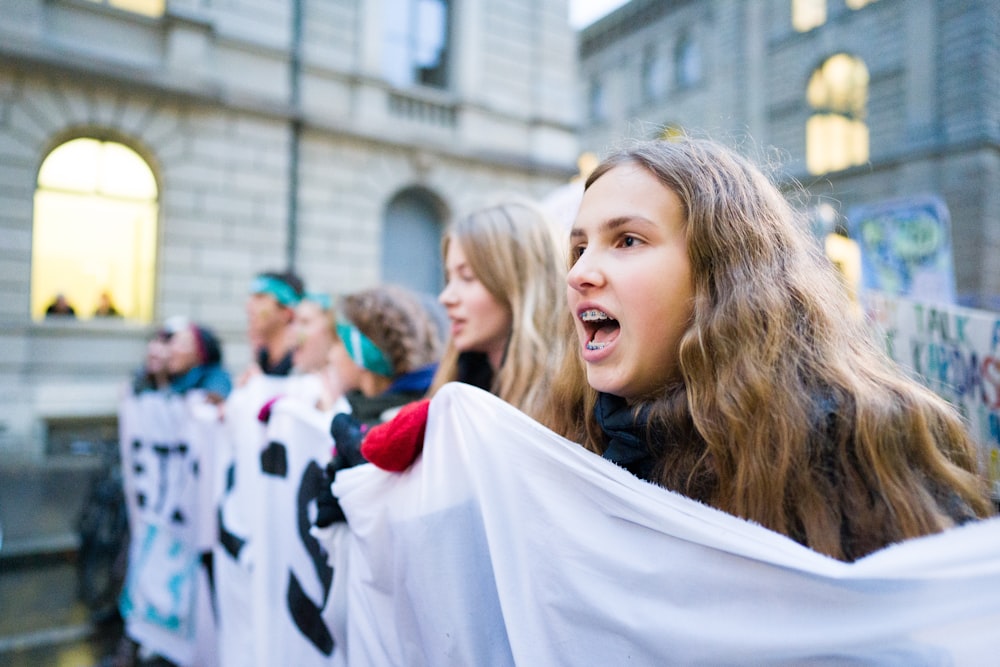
(505, 544)
(293, 589)
(240, 503)
(166, 446)
(264, 556)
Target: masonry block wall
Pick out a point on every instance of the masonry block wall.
(212, 95)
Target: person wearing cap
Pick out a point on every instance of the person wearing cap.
(194, 361)
(270, 310)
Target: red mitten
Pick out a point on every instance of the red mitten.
(264, 415)
(394, 445)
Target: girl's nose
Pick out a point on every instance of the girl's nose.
(585, 273)
(447, 295)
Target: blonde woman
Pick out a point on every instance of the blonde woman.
(505, 300)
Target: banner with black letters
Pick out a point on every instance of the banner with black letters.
(239, 504)
(272, 579)
(167, 444)
(294, 589)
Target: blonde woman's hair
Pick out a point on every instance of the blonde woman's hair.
(512, 250)
(788, 413)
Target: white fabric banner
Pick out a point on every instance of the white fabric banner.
(506, 544)
(166, 446)
(293, 589)
(240, 503)
(259, 517)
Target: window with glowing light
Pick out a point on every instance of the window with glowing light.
(145, 7)
(836, 132)
(94, 230)
(808, 14)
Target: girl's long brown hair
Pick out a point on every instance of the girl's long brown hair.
(788, 414)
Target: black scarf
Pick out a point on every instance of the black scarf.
(281, 367)
(474, 368)
(627, 433)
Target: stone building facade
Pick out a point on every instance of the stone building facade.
(741, 72)
(329, 136)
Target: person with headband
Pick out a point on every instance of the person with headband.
(387, 351)
(385, 357)
(270, 310)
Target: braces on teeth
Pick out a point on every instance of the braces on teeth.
(593, 315)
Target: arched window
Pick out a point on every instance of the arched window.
(94, 230)
(654, 75)
(411, 246)
(687, 61)
(597, 106)
(836, 132)
(808, 14)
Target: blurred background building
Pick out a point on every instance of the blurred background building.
(164, 151)
(859, 101)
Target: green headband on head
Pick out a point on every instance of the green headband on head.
(321, 299)
(282, 292)
(362, 350)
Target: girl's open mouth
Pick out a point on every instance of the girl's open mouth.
(601, 328)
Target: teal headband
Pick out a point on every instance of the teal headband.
(362, 350)
(319, 298)
(279, 289)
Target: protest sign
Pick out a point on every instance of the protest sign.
(906, 247)
(955, 352)
(166, 447)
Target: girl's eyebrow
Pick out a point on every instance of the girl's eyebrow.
(611, 225)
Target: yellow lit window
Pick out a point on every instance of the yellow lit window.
(144, 7)
(94, 230)
(836, 132)
(808, 14)
(858, 4)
